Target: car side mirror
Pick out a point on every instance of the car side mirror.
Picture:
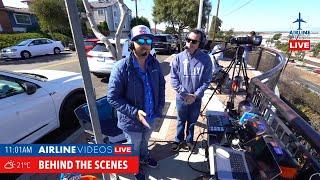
(30, 88)
(31, 44)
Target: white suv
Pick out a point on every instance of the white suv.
(100, 59)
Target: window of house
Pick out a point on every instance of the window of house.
(116, 24)
(22, 19)
(100, 12)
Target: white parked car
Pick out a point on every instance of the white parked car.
(32, 47)
(36, 102)
(100, 59)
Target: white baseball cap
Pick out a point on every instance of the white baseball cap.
(140, 30)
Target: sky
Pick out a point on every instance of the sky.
(244, 15)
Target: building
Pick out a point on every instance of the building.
(109, 11)
(17, 19)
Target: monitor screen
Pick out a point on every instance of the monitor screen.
(261, 162)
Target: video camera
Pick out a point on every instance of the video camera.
(255, 40)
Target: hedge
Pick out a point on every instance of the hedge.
(7, 40)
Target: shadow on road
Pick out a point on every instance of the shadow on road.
(38, 59)
(105, 80)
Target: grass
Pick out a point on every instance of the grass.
(305, 101)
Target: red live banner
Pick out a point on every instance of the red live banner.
(299, 45)
(89, 164)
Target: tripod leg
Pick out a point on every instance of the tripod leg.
(219, 83)
(245, 75)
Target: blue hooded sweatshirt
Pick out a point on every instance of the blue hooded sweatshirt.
(191, 74)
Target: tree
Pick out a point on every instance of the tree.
(103, 28)
(277, 36)
(52, 15)
(116, 53)
(284, 47)
(170, 30)
(316, 50)
(228, 34)
(218, 25)
(139, 21)
(180, 14)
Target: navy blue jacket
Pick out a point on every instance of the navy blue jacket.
(126, 92)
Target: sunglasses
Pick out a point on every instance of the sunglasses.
(192, 41)
(144, 41)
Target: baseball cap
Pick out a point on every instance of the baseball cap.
(140, 30)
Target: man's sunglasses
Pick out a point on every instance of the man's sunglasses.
(144, 41)
(192, 41)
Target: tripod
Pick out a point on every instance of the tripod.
(237, 63)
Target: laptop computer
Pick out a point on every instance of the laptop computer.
(257, 162)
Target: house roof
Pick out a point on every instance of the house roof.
(18, 10)
(102, 4)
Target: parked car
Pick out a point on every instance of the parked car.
(317, 70)
(100, 59)
(90, 43)
(165, 43)
(32, 47)
(36, 102)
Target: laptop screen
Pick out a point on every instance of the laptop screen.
(261, 162)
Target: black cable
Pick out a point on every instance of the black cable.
(191, 154)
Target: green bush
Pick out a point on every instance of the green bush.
(12, 39)
(63, 38)
(303, 99)
(7, 40)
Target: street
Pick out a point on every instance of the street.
(66, 61)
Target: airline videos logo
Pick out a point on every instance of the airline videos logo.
(58, 158)
(300, 43)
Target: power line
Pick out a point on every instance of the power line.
(238, 8)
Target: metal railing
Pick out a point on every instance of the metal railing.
(300, 139)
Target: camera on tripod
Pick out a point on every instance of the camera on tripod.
(254, 40)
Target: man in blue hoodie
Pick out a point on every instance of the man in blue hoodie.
(137, 91)
(191, 73)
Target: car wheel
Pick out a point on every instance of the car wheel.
(25, 55)
(68, 119)
(56, 50)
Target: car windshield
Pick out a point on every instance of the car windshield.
(28, 75)
(88, 43)
(36, 76)
(160, 39)
(23, 43)
(100, 47)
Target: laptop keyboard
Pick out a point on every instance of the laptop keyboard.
(237, 166)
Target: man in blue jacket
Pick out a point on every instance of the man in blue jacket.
(191, 73)
(137, 91)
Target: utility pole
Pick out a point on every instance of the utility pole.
(215, 22)
(136, 8)
(208, 24)
(75, 26)
(200, 14)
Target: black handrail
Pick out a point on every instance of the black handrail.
(298, 123)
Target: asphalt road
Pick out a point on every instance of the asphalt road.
(66, 61)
